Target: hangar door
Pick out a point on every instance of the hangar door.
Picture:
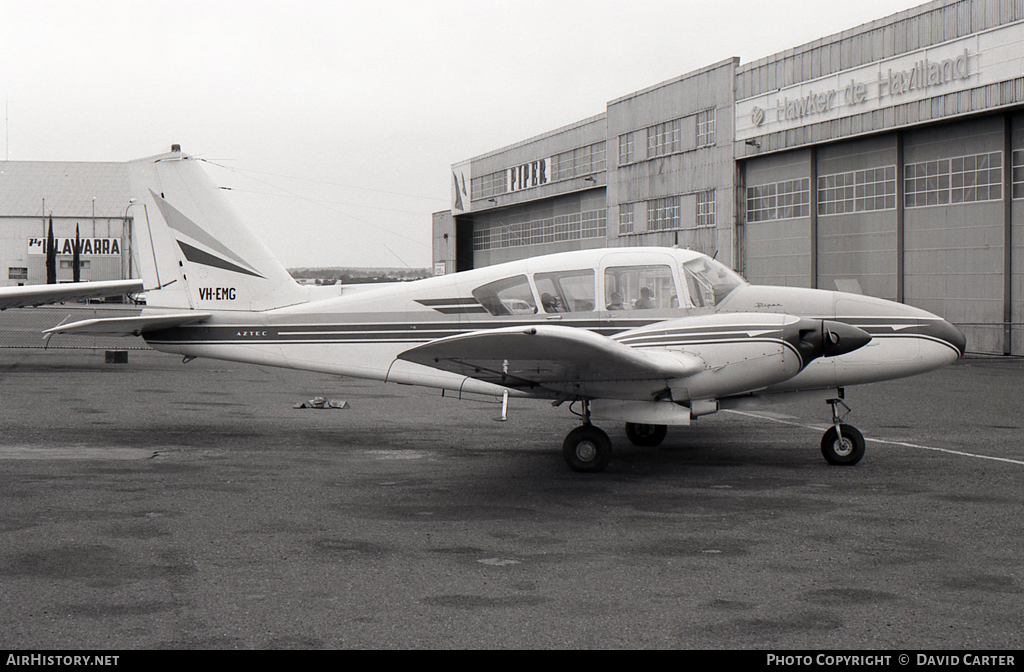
(776, 237)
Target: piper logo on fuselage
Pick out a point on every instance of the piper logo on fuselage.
(217, 293)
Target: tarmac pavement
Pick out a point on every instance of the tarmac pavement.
(161, 505)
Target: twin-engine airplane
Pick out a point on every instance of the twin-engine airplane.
(647, 336)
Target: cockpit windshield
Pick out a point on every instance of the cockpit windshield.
(710, 281)
(508, 296)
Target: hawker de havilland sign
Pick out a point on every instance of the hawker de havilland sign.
(981, 59)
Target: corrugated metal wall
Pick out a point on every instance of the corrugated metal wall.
(954, 184)
(681, 173)
(919, 27)
(908, 31)
(949, 257)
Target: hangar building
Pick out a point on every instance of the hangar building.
(90, 197)
(887, 159)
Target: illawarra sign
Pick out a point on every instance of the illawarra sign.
(90, 246)
(960, 64)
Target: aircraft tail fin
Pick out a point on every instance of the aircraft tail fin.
(193, 250)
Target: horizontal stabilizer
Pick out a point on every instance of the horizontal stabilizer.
(537, 355)
(126, 326)
(37, 295)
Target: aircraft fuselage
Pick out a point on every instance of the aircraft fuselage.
(363, 334)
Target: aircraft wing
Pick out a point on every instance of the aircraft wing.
(37, 295)
(538, 355)
(126, 326)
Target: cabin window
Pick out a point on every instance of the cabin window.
(566, 291)
(709, 281)
(639, 288)
(508, 296)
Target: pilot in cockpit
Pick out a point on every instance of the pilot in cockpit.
(550, 303)
(646, 299)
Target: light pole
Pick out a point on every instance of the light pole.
(127, 227)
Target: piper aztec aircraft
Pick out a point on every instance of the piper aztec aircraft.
(650, 337)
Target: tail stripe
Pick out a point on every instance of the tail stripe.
(182, 224)
(197, 256)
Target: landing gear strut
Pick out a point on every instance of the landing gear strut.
(587, 448)
(842, 444)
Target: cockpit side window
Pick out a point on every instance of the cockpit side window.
(508, 296)
(566, 291)
(639, 288)
(709, 281)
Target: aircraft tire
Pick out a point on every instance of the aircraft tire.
(847, 452)
(647, 436)
(587, 449)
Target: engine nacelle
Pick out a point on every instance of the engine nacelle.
(744, 352)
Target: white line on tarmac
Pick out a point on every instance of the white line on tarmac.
(890, 443)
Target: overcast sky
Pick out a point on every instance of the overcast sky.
(336, 123)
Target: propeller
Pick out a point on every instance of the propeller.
(828, 338)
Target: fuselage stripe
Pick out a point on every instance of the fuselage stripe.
(306, 334)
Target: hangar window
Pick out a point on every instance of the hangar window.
(489, 185)
(706, 208)
(976, 178)
(567, 227)
(578, 162)
(663, 214)
(577, 226)
(639, 288)
(962, 179)
(626, 148)
(706, 128)
(779, 200)
(857, 191)
(1018, 173)
(626, 218)
(664, 138)
(508, 296)
(566, 291)
(17, 273)
(594, 224)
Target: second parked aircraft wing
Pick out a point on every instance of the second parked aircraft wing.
(126, 326)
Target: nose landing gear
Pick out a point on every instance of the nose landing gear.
(842, 444)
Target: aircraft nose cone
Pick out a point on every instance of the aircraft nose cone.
(950, 334)
(840, 338)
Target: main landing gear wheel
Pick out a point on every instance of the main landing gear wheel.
(645, 435)
(843, 447)
(587, 448)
